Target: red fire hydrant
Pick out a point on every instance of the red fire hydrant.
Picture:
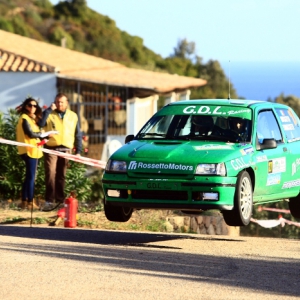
(71, 208)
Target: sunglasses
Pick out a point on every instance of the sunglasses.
(31, 105)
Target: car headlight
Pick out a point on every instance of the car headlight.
(211, 169)
(116, 166)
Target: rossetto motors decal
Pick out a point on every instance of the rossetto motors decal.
(133, 165)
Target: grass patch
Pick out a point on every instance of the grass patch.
(39, 220)
(13, 220)
(86, 223)
(134, 226)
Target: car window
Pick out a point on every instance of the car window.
(290, 124)
(156, 127)
(267, 127)
(228, 128)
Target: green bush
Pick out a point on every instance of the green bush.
(12, 170)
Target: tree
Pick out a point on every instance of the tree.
(218, 86)
(71, 8)
(57, 34)
(186, 62)
(291, 101)
(184, 49)
(10, 172)
(6, 25)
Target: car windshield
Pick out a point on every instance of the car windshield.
(197, 127)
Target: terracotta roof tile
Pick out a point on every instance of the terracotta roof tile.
(11, 62)
(21, 54)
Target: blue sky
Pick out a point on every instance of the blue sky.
(240, 31)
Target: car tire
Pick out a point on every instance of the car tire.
(117, 213)
(243, 202)
(294, 206)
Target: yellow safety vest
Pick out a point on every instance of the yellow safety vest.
(66, 128)
(23, 138)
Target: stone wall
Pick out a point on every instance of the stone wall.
(201, 224)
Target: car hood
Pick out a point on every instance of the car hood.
(188, 153)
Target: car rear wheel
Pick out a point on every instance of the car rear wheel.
(294, 206)
(243, 202)
(117, 213)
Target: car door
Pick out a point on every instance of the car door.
(291, 131)
(271, 164)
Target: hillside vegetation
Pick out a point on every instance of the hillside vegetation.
(74, 25)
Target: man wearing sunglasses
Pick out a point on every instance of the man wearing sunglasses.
(61, 119)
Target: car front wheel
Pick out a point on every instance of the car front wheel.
(117, 213)
(243, 202)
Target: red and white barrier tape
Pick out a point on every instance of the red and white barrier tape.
(272, 223)
(268, 223)
(285, 211)
(84, 160)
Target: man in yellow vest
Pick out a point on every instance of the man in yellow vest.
(59, 118)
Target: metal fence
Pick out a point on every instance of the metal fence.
(101, 110)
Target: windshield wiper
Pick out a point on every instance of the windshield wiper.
(142, 135)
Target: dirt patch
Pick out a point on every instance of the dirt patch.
(89, 216)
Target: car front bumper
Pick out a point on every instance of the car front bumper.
(200, 193)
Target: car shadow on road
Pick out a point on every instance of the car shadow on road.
(93, 236)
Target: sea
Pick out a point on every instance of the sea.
(264, 80)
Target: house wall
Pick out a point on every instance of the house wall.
(16, 86)
(174, 97)
(139, 111)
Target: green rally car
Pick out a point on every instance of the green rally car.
(199, 155)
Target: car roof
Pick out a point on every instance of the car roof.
(233, 102)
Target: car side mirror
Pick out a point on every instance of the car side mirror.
(129, 138)
(267, 144)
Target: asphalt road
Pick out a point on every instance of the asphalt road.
(63, 263)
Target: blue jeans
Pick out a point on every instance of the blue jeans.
(28, 184)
